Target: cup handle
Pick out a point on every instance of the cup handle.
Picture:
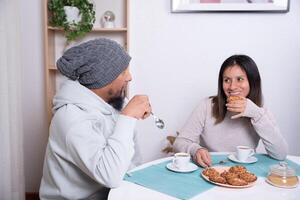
(251, 153)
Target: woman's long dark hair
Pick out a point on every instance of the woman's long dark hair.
(249, 66)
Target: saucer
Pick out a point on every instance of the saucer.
(251, 159)
(190, 168)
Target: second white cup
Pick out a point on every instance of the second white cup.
(181, 160)
(244, 152)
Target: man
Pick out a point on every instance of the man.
(91, 143)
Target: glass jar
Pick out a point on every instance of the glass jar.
(282, 175)
(108, 19)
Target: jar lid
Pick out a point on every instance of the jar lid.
(282, 169)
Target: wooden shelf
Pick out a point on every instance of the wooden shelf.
(54, 41)
(52, 67)
(96, 29)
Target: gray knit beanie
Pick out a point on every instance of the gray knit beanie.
(95, 63)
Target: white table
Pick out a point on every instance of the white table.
(261, 190)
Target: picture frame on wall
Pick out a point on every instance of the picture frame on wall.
(186, 6)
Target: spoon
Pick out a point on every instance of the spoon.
(221, 162)
(129, 174)
(158, 122)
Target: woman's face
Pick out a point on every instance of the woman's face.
(235, 82)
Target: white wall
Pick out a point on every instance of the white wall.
(34, 107)
(176, 58)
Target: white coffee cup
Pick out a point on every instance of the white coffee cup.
(181, 160)
(244, 152)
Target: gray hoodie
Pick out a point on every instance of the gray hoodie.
(90, 147)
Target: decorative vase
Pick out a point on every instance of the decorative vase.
(72, 14)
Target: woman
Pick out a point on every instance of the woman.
(218, 124)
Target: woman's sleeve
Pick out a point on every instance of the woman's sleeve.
(267, 129)
(188, 138)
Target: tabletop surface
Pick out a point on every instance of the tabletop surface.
(261, 189)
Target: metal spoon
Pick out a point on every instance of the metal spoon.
(129, 174)
(158, 122)
(221, 162)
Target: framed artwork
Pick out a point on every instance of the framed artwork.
(229, 6)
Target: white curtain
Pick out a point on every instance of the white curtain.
(11, 135)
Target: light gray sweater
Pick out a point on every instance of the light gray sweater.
(90, 146)
(257, 123)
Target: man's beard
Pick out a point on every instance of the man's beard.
(117, 102)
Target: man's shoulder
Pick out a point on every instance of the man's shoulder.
(72, 114)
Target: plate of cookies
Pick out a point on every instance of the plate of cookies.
(235, 177)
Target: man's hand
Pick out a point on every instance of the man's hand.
(203, 158)
(138, 107)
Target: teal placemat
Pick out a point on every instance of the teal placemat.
(261, 167)
(179, 185)
(188, 185)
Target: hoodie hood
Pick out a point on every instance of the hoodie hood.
(72, 92)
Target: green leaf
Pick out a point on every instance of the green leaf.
(72, 31)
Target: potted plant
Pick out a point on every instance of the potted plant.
(76, 17)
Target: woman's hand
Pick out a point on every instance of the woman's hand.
(237, 105)
(203, 158)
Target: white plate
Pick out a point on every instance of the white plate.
(220, 170)
(251, 159)
(190, 167)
